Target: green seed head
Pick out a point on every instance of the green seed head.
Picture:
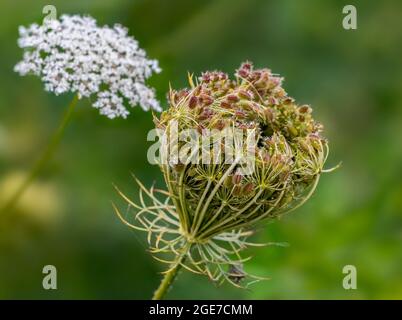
(212, 201)
(289, 152)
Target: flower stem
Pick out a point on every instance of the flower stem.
(168, 279)
(45, 157)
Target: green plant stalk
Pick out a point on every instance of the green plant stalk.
(42, 161)
(168, 279)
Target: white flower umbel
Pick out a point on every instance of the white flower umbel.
(104, 64)
(73, 54)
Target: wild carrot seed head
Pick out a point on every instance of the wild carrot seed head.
(213, 204)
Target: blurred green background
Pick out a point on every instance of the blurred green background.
(352, 79)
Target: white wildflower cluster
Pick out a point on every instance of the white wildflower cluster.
(73, 54)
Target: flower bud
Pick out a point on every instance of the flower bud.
(272, 101)
(237, 178)
(248, 188)
(240, 114)
(220, 125)
(243, 73)
(192, 102)
(305, 109)
(205, 114)
(232, 98)
(226, 105)
(206, 99)
(243, 94)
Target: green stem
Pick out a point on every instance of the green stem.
(168, 279)
(45, 157)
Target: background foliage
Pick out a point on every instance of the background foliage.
(352, 79)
